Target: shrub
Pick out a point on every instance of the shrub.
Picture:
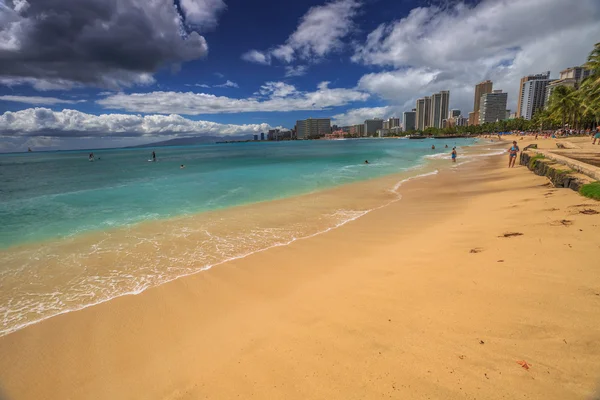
(591, 190)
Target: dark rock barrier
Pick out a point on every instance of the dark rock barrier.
(560, 175)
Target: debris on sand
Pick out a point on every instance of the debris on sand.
(476, 250)
(511, 234)
(524, 364)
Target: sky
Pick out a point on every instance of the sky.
(111, 73)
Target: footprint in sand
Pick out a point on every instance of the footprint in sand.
(589, 211)
(563, 222)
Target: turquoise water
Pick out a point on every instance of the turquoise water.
(61, 249)
(59, 194)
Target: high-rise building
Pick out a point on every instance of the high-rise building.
(472, 116)
(262, 136)
(460, 121)
(386, 124)
(535, 99)
(492, 107)
(255, 137)
(393, 122)
(435, 117)
(312, 127)
(409, 120)
(423, 113)
(454, 113)
(439, 108)
(570, 77)
(357, 130)
(480, 89)
(533, 96)
(372, 125)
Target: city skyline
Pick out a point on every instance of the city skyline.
(185, 71)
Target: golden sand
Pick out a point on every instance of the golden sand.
(424, 298)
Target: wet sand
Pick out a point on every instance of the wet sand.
(439, 295)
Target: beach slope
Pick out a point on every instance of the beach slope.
(481, 283)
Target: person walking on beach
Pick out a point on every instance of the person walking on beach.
(597, 136)
(512, 154)
(454, 154)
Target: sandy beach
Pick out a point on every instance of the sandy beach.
(481, 283)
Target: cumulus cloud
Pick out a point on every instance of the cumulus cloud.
(299, 70)
(359, 115)
(272, 96)
(229, 84)
(39, 100)
(257, 57)
(455, 47)
(107, 43)
(319, 33)
(34, 122)
(202, 13)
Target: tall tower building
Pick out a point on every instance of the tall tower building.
(424, 110)
(435, 116)
(521, 93)
(445, 105)
(439, 108)
(492, 107)
(533, 96)
(409, 119)
(480, 89)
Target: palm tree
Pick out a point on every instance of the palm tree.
(590, 88)
(561, 102)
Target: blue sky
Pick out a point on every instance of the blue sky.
(111, 75)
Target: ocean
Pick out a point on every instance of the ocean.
(74, 233)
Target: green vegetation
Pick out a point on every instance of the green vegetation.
(591, 190)
(534, 160)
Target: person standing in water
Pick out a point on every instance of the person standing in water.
(512, 154)
(454, 154)
(153, 156)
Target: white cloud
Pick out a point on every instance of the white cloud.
(202, 13)
(435, 48)
(299, 70)
(257, 57)
(359, 115)
(228, 83)
(72, 123)
(276, 89)
(273, 96)
(39, 100)
(319, 33)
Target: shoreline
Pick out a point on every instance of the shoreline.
(410, 300)
(87, 240)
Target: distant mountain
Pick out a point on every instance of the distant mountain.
(192, 140)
